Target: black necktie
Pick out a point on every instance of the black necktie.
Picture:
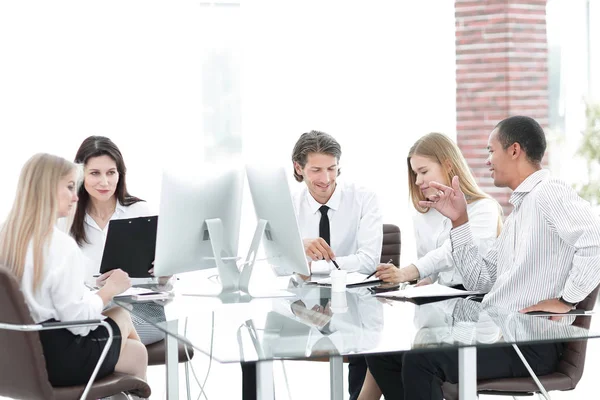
(324, 225)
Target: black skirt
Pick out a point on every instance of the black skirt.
(71, 359)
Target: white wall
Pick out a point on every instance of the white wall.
(376, 75)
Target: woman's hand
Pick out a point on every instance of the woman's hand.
(117, 282)
(113, 283)
(424, 282)
(390, 273)
(101, 280)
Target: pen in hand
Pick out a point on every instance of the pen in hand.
(374, 272)
(336, 264)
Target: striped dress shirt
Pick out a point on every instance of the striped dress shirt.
(549, 247)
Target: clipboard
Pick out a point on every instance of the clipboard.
(131, 246)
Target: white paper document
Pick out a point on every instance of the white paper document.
(353, 278)
(133, 291)
(433, 290)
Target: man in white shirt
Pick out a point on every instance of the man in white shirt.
(547, 258)
(340, 223)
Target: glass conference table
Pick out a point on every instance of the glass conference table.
(314, 323)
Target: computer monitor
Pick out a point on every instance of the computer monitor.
(277, 226)
(199, 223)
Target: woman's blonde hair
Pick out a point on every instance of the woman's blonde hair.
(440, 149)
(33, 214)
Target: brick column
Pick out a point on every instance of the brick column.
(501, 70)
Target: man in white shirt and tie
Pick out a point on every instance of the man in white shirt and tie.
(547, 258)
(340, 223)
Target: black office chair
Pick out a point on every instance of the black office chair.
(23, 372)
(392, 244)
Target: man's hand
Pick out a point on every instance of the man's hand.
(389, 273)
(306, 277)
(318, 249)
(318, 316)
(449, 201)
(552, 306)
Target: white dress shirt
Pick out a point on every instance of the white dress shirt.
(62, 294)
(96, 237)
(549, 247)
(432, 234)
(355, 225)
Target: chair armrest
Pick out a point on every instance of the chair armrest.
(70, 324)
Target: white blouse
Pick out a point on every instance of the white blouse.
(432, 234)
(62, 294)
(96, 237)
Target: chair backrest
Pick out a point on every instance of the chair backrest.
(22, 365)
(573, 358)
(391, 244)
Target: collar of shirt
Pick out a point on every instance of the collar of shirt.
(527, 186)
(119, 209)
(333, 203)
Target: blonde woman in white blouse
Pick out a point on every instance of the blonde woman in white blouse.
(49, 265)
(434, 157)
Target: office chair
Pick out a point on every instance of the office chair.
(157, 356)
(391, 244)
(23, 372)
(566, 377)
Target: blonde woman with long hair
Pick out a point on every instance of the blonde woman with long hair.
(49, 266)
(434, 157)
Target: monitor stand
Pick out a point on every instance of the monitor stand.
(246, 273)
(229, 274)
(260, 232)
(236, 284)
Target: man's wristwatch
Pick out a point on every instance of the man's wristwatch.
(562, 300)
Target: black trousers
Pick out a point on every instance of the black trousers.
(357, 370)
(419, 375)
(248, 380)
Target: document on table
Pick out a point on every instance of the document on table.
(130, 292)
(352, 279)
(433, 290)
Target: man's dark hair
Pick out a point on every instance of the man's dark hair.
(525, 131)
(314, 142)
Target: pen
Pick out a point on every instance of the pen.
(336, 264)
(373, 273)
